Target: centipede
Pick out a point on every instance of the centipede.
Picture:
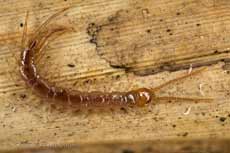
(28, 69)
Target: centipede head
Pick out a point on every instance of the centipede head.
(143, 96)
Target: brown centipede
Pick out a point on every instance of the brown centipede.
(139, 97)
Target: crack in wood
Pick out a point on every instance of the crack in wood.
(171, 66)
(108, 37)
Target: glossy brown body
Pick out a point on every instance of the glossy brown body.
(29, 72)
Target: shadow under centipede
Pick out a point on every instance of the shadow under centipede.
(53, 107)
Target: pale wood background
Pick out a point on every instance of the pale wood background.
(119, 45)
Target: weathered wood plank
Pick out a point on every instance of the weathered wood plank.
(26, 119)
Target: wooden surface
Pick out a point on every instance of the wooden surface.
(175, 146)
(119, 45)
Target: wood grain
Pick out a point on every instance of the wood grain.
(147, 38)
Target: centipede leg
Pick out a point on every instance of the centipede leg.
(177, 79)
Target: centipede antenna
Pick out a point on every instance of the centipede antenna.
(177, 79)
(24, 35)
(183, 98)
